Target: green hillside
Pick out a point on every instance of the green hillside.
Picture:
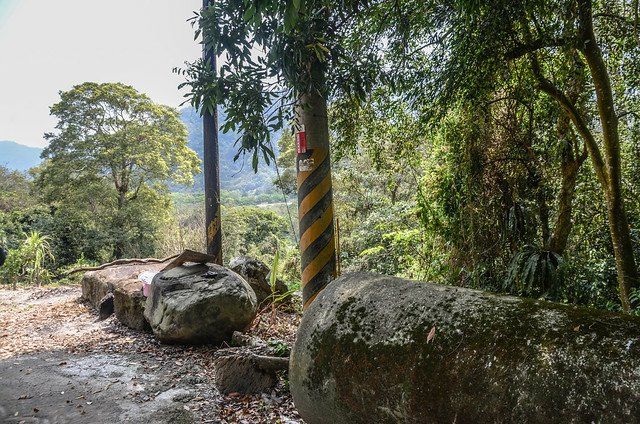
(235, 177)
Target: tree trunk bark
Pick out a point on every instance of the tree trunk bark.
(315, 197)
(543, 209)
(118, 245)
(563, 223)
(618, 224)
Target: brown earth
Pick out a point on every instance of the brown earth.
(59, 364)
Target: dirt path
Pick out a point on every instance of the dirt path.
(58, 364)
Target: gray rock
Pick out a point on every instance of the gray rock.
(240, 374)
(376, 349)
(96, 284)
(199, 304)
(257, 274)
(129, 304)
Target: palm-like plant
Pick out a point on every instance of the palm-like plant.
(36, 250)
(535, 272)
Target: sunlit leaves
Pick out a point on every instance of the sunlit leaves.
(266, 48)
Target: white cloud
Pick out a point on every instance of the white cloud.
(48, 46)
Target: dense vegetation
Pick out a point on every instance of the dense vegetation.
(488, 144)
(117, 181)
(485, 143)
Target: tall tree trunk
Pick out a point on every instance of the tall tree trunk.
(572, 159)
(211, 164)
(315, 198)
(543, 210)
(607, 167)
(119, 225)
(618, 224)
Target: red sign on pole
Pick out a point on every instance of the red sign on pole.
(301, 141)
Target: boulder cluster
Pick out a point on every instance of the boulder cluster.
(192, 303)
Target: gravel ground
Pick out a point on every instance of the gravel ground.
(59, 364)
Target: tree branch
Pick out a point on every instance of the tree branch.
(118, 262)
(554, 92)
(535, 45)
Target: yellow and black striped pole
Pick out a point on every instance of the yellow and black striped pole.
(315, 198)
(211, 165)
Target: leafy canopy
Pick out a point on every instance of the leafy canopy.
(108, 167)
(110, 131)
(272, 52)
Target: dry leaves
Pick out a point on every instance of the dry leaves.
(431, 334)
(39, 320)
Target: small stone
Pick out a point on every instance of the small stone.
(257, 274)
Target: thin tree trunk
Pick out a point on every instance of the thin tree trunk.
(118, 245)
(618, 224)
(543, 209)
(572, 160)
(563, 223)
(607, 167)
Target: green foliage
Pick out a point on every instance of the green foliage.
(279, 348)
(286, 180)
(534, 272)
(17, 222)
(253, 231)
(27, 263)
(258, 91)
(75, 278)
(235, 176)
(107, 168)
(461, 131)
(12, 272)
(15, 190)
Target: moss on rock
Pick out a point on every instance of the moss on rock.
(129, 305)
(381, 349)
(199, 304)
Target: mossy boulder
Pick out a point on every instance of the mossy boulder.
(199, 304)
(377, 349)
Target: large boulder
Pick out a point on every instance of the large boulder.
(97, 284)
(376, 349)
(129, 304)
(257, 274)
(198, 304)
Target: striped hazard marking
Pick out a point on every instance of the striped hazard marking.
(315, 212)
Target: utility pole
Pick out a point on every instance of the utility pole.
(211, 165)
(315, 197)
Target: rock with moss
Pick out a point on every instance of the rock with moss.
(258, 275)
(377, 349)
(199, 304)
(129, 304)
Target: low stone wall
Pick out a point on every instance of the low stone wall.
(377, 349)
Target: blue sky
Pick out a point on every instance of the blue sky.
(50, 45)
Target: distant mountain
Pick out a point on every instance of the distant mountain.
(18, 156)
(234, 176)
